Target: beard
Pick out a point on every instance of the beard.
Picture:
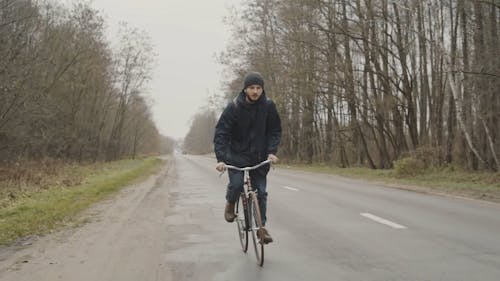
(253, 98)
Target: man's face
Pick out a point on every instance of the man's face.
(253, 93)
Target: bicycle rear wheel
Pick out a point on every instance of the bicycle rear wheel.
(241, 222)
(256, 226)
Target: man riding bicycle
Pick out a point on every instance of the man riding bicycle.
(248, 132)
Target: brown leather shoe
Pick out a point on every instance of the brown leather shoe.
(229, 212)
(265, 236)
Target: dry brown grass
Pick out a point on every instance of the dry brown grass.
(450, 180)
(24, 178)
(38, 197)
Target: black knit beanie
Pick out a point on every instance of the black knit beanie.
(253, 78)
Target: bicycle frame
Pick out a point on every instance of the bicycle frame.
(246, 175)
(252, 216)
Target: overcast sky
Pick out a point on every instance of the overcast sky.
(186, 34)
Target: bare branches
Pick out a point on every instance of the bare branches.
(60, 91)
(365, 81)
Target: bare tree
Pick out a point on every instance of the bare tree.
(133, 68)
(62, 95)
(199, 139)
(370, 81)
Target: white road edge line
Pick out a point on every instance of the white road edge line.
(290, 188)
(383, 221)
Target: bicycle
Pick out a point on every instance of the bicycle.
(249, 220)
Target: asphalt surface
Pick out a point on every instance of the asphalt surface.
(333, 228)
(325, 228)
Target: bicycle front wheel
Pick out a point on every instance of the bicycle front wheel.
(256, 226)
(241, 222)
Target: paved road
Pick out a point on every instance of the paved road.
(332, 228)
(325, 228)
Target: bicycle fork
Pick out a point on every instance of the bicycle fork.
(247, 196)
(244, 200)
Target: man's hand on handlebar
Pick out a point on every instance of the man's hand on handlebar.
(274, 159)
(221, 166)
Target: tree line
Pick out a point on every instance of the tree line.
(199, 139)
(65, 92)
(368, 82)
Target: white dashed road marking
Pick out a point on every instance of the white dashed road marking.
(290, 188)
(383, 221)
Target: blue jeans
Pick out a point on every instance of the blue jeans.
(258, 181)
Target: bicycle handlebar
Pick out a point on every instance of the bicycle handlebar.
(248, 168)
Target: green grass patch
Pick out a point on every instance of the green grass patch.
(478, 185)
(31, 210)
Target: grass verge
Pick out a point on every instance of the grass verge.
(36, 211)
(476, 185)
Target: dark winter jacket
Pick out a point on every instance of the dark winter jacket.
(246, 133)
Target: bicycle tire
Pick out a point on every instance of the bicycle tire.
(242, 222)
(256, 226)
